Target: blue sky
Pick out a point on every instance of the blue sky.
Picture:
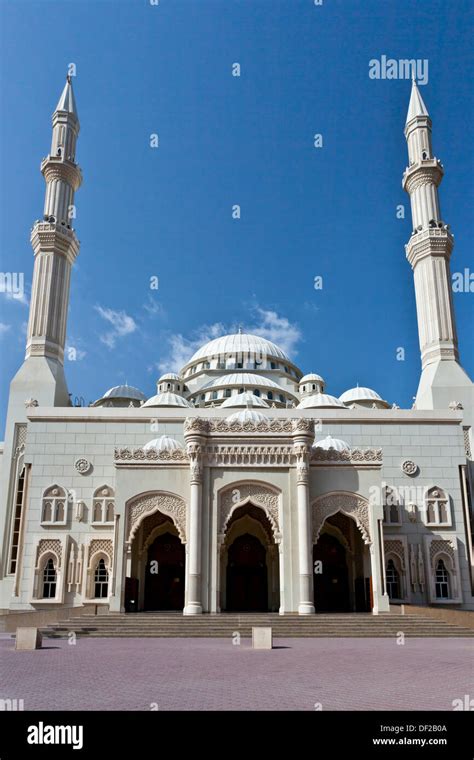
(226, 140)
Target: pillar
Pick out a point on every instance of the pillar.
(193, 571)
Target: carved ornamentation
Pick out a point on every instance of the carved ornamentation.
(409, 467)
(258, 494)
(455, 406)
(350, 504)
(151, 456)
(169, 504)
(438, 546)
(393, 546)
(302, 425)
(196, 425)
(263, 426)
(30, 402)
(266, 454)
(356, 456)
(49, 545)
(103, 545)
(82, 465)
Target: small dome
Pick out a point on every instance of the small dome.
(169, 376)
(311, 378)
(166, 399)
(125, 391)
(244, 399)
(320, 401)
(362, 395)
(331, 443)
(247, 415)
(164, 443)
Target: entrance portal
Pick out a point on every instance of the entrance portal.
(247, 583)
(331, 586)
(164, 589)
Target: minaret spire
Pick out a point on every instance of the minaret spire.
(54, 240)
(429, 251)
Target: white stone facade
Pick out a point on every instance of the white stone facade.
(223, 491)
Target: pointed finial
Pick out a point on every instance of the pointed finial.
(413, 77)
(68, 78)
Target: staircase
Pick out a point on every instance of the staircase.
(176, 625)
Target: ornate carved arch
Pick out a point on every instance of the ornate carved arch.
(259, 494)
(146, 504)
(351, 504)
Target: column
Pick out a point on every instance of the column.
(194, 603)
(380, 597)
(305, 554)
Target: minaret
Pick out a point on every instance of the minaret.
(54, 242)
(55, 247)
(429, 251)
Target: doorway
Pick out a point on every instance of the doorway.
(164, 574)
(247, 581)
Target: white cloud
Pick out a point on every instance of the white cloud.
(4, 328)
(276, 328)
(181, 349)
(268, 324)
(122, 324)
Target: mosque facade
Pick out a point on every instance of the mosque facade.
(243, 484)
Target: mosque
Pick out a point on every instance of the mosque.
(243, 484)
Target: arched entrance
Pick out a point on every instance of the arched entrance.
(164, 575)
(156, 563)
(341, 564)
(249, 563)
(247, 579)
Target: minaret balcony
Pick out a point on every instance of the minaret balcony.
(58, 167)
(422, 172)
(53, 237)
(433, 241)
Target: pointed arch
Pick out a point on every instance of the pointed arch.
(351, 504)
(143, 505)
(240, 493)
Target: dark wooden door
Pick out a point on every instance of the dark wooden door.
(247, 583)
(164, 589)
(331, 586)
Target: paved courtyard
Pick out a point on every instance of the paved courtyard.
(214, 674)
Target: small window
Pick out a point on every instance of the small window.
(256, 392)
(101, 581)
(286, 370)
(304, 388)
(214, 395)
(393, 580)
(270, 395)
(103, 506)
(314, 387)
(437, 507)
(49, 580)
(227, 393)
(179, 387)
(241, 390)
(54, 506)
(281, 398)
(442, 581)
(168, 386)
(203, 396)
(272, 365)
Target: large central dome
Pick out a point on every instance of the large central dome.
(239, 343)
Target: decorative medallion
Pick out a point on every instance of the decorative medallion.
(82, 465)
(409, 467)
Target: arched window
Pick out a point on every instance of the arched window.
(227, 393)
(437, 507)
(256, 392)
(393, 580)
(272, 365)
(179, 387)
(103, 506)
(214, 395)
(168, 386)
(304, 388)
(314, 387)
(49, 580)
(281, 398)
(101, 581)
(391, 506)
(270, 395)
(442, 581)
(54, 506)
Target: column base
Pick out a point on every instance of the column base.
(306, 608)
(192, 609)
